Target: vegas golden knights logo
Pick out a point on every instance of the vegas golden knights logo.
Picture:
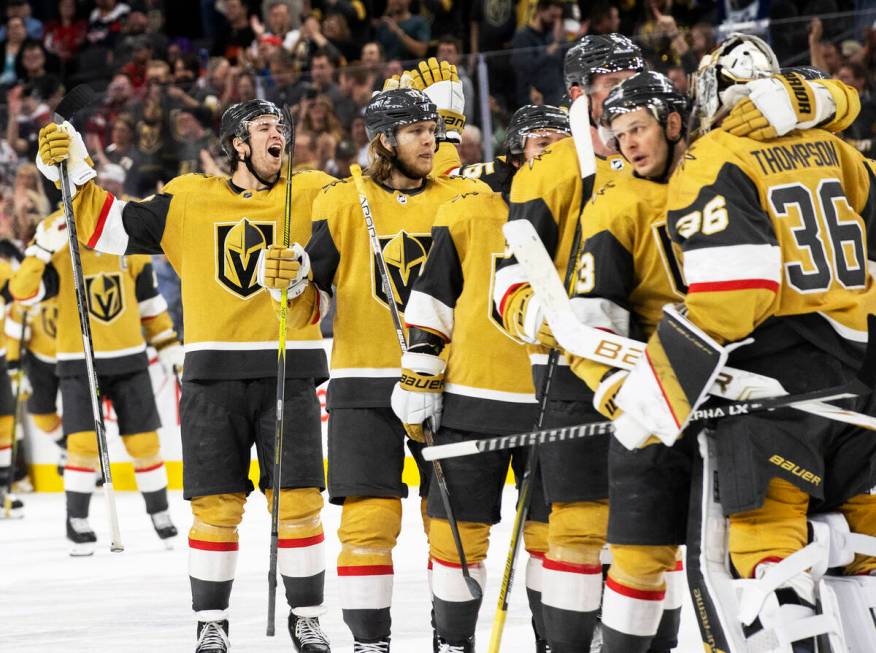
(405, 255)
(237, 254)
(49, 319)
(105, 299)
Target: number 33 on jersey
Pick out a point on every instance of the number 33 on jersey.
(776, 228)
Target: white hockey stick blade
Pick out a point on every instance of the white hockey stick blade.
(454, 450)
(621, 352)
(579, 123)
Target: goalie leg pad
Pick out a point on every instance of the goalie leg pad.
(665, 386)
(368, 533)
(855, 598)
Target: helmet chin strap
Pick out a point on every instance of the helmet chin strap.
(247, 161)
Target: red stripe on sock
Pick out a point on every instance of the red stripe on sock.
(366, 570)
(679, 566)
(536, 554)
(454, 565)
(203, 545)
(101, 220)
(570, 567)
(768, 559)
(79, 469)
(300, 542)
(643, 595)
(140, 470)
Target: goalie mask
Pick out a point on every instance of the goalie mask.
(738, 60)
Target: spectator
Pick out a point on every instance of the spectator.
(678, 75)
(310, 41)
(119, 98)
(345, 155)
(245, 88)
(66, 35)
(403, 35)
(319, 119)
(278, 22)
(193, 134)
(702, 40)
(28, 111)
(450, 50)
(357, 84)
(121, 151)
(538, 55)
(322, 74)
(32, 61)
(660, 38)
(492, 25)
(211, 89)
(371, 59)
(304, 155)
(470, 150)
(135, 69)
(111, 178)
(21, 9)
(822, 54)
(30, 202)
(287, 89)
(235, 34)
(106, 23)
(16, 35)
(604, 18)
(861, 132)
(356, 14)
(336, 30)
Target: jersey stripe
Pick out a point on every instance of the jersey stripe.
(109, 233)
(485, 393)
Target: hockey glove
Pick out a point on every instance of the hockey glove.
(418, 396)
(777, 105)
(171, 355)
(440, 81)
(283, 267)
(524, 318)
(63, 143)
(606, 393)
(49, 238)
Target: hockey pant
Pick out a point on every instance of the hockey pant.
(213, 547)
(83, 463)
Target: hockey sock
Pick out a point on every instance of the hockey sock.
(48, 423)
(149, 470)
(535, 537)
(368, 533)
(213, 548)
(635, 593)
(456, 612)
(301, 546)
(5, 451)
(666, 637)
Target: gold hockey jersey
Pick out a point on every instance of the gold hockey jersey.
(212, 233)
(488, 381)
(777, 232)
(365, 350)
(42, 327)
(548, 192)
(123, 303)
(628, 269)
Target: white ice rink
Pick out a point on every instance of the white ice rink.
(139, 601)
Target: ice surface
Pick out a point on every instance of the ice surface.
(139, 600)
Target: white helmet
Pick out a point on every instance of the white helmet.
(739, 59)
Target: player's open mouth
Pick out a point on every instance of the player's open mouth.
(275, 150)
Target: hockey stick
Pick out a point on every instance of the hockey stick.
(7, 499)
(579, 119)
(621, 352)
(859, 386)
(276, 474)
(77, 99)
(356, 172)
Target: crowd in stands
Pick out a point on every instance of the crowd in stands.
(166, 70)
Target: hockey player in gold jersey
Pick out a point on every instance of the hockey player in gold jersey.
(122, 300)
(36, 357)
(365, 439)
(212, 229)
(451, 304)
(7, 408)
(772, 242)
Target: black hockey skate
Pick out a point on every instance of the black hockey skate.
(164, 527)
(213, 637)
(80, 534)
(458, 647)
(541, 644)
(379, 646)
(306, 634)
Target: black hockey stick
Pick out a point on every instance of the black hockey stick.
(862, 384)
(586, 159)
(76, 100)
(277, 473)
(473, 587)
(7, 499)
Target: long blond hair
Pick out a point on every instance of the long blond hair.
(380, 158)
